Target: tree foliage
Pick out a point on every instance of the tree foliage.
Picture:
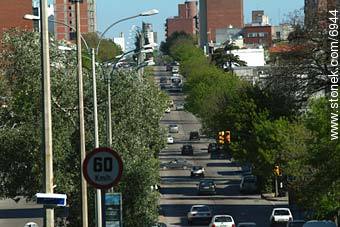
(137, 108)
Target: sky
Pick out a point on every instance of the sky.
(109, 11)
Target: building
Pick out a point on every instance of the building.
(150, 35)
(185, 21)
(318, 7)
(215, 14)
(120, 41)
(231, 34)
(50, 13)
(12, 12)
(65, 12)
(258, 18)
(281, 32)
(255, 36)
(253, 57)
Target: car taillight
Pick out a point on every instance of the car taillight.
(233, 225)
(213, 225)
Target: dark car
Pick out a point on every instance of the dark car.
(163, 80)
(212, 147)
(176, 164)
(207, 187)
(248, 184)
(187, 150)
(194, 136)
(296, 223)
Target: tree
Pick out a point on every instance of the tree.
(224, 59)
(175, 37)
(137, 108)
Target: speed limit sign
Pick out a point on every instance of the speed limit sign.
(102, 168)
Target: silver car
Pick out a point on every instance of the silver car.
(173, 128)
(199, 213)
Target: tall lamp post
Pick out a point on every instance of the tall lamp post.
(47, 116)
(109, 121)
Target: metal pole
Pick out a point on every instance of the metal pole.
(47, 117)
(276, 187)
(81, 120)
(96, 137)
(109, 117)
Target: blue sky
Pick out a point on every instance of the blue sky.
(109, 11)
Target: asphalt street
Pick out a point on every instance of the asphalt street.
(179, 190)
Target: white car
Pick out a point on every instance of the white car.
(280, 215)
(171, 103)
(197, 171)
(173, 128)
(170, 139)
(201, 213)
(168, 110)
(179, 107)
(222, 221)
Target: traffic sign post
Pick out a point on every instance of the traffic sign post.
(103, 168)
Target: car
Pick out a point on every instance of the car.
(179, 107)
(168, 110)
(159, 224)
(170, 139)
(212, 147)
(175, 69)
(296, 223)
(197, 171)
(248, 184)
(222, 221)
(315, 223)
(280, 215)
(187, 150)
(246, 224)
(175, 74)
(194, 135)
(173, 128)
(176, 164)
(207, 187)
(199, 213)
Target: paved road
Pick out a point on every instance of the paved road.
(179, 190)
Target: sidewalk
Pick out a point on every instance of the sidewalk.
(271, 197)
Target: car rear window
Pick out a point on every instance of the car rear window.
(201, 209)
(223, 219)
(281, 212)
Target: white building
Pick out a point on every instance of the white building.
(253, 57)
(120, 41)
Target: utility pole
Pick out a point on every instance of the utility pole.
(81, 119)
(96, 137)
(47, 116)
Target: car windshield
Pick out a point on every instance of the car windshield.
(206, 183)
(197, 167)
(223, 219)
(172, 126)
(250, 180)
(201, 209)
(281, 212)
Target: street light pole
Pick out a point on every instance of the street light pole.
(81, 120)
(47, 117)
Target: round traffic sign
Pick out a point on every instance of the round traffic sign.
(102, 168)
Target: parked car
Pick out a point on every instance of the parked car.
(170, 139)
(199, 213)
(171, 103)
(176, 164)
(207, 187)
(212, 147)
(222, 221)
(197, 171)
(316, 223)
(246, 224)
(168, 110)
(159, 224)
(179, 107)
(280, 215)
(163, 80)
(194, 135)
(173, 128)
(187, 150)
(248, 184)
(296, 223)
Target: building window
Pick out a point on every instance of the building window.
(70, 14)
(252, 35)
(278, 35)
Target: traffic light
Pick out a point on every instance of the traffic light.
(221, 137)
(227, 137)
(277, 171)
